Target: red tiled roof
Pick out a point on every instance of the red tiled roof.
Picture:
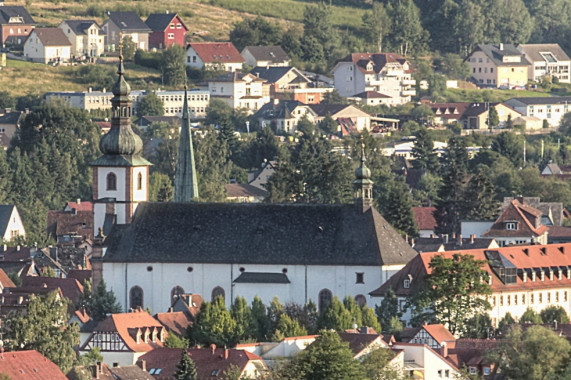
(207, 361)
(82, 315)
(523, 257)
(5, 281)
(526, 217)
(29, 365)
(81, 206)
(67, 223)
(424, 217)
(70, 287)
(175, 321)
(80, 275)
(128, 325)
(224, 52)
(439, 332)
(358, 342)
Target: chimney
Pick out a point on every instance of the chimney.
(213, 348)
(78, 201)
(226, 354)
(472, 238)
(444, 350)
(432, 236)
(459, 239)
(144, 365)
(501, 46)
(412, 243)
(453, 235)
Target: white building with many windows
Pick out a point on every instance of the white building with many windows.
(547, 60)
(550, 108)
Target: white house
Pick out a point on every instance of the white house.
(47, 45)
(265, 56)
(86, 37)
(386, 73)
(423, 362)
(551, 108)
(214, 56)
(11, 226)
(245, 91)
(546, 60)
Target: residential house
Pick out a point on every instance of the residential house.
(47, 45)
(423, 362)
(273, 353)
(281, 79)
(451, 243)
(29, 365)
(244, 193)
(11, 226)
(534, 276)
(265, 56)
(123, 25)
(260, 177)
(424, 217)
(283, 116)
(518, 223)
(86, 37)
(363, 341)
(373, 98)
(550, 108)
(5, 281)
(500, 66)
(9, 124)
(547, 60)
(176, 322)
(239, 90)
(387, 73)
(69, 288)
(349, 117)
(101, 371)
(472, 354)
(404, 149)
(213, 56)
(123, 338)
(166, 29)
(16, 24)
(448, 113)
(476, 116)
(173, 101)
(435, 336)
(70, 226)
(562, 172)
(146, 121)
(210, 362)
(553, 213)
(18, 260)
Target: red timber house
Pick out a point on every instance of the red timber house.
(166, 29)
(522, 276)
(16, 24)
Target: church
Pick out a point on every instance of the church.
(297, 252)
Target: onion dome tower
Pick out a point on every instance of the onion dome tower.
(121, 175)
(362, 185)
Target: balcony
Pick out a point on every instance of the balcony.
(410, 92)
(408, 82)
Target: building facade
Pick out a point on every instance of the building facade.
(214, 56)
(85, 36)
(552, 109)
(547, 60)
(166, 29)
(500, 66)
(16, 24)
(47, 45)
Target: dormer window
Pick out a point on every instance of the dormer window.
(511, 226)
(406, 283)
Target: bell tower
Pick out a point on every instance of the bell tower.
(362, 185)
(121, 175)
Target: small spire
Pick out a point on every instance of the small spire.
(363, 158)
(185, 180)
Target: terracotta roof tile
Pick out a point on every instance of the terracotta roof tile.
(5, 281)
(70, 287)
(224, 52)
(358, 342)
(176, 321)
(29, 365)
(424, 217)
(81, 206)
(439, 333)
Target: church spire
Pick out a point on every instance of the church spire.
(185, 182)
(362, 185)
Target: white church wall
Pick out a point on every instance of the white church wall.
(140, 195)
(102, 192)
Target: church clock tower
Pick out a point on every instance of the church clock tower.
(121, 175)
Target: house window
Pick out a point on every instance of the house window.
(447, 373)
(176, 292)
(360, 278)
(361, 300)
(140, 181)
(135, 297)
(523, 299)
(548, 297)
(111, 181)
(486, 371)
(501, 300)
(325, 297)
(565, 296)
(171, 36)
(491, 69)
(531, 298)
(187, 59)
(509, 300)
(556, 296)
(172, 25)
(473, 371)
(406, 283)
(178, 26)
(217, 292)
(540, 297)
(194, 59)
(511, 226)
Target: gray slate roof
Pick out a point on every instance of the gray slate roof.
(496, 54)
(293, 234)
(542, 100)
(533, 51)
(5, 212)
(129, 22)
(159, 22)
(80, 27)
(273, 54)
(271, 74)
(8, 11)
(277, 111)
(52, 37)
(262, 278)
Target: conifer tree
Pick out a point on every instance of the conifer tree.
(260, 320)
(214, 324)
(353, 309)
(479, 198)
(242, 315)
(185, 369)
(423, 152)
(398, 209)
(335, 317)
(369, 319)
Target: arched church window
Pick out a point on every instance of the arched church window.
(136, 297)
(176, 292)
(325, 298)
(217, 292)
(140, 181)
(111, 181)
(361, 300)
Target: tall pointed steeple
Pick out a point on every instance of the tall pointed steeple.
(362, 185)
(185, 182)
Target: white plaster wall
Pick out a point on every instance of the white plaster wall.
(477, 228)
(344, 79)
(158, 283)
(140, 195)
(102, 191)
(61, 52)
(123, 358)
(190, 52)
(15, 223)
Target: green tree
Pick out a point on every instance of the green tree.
(213, 166)
(513, 22)
(172, 65)
(377, 367)
(150, 105)
(319, 36)
(554, 313)
(507, 321)
(407, 34)
(259, 319)
(454, 291)
(468, 26)
(43, 328)
(479, 198)
(255, 32)
(493, 118)
(214, 324)
(174, 341)
(423, 152)
(160, 188)
(242, 315)
(99, 302)
(369, 319)
(538, 353)
(398, 211)
(530, 316)
(7, 100)
(286, 327)
(510, 146)
(354, 310)
(129, 48)
(335, 317)
(388, 309)
(377, 24)
(326, 358)
(479, 327)
(185, 369)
